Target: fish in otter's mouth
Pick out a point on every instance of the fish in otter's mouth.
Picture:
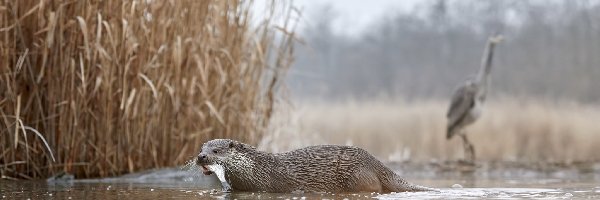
(219, 171)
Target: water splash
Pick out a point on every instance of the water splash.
(191, 166)
(197, 171)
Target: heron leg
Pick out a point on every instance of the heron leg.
(469, 149)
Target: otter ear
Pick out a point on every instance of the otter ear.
(231, 144)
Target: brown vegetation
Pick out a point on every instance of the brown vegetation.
(510, 129)
(119, 86)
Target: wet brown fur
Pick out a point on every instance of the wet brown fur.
(322, 168)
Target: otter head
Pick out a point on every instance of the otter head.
(216, 154)
(228, 159)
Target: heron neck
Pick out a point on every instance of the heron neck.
(486, 64)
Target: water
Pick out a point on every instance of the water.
(177, 184)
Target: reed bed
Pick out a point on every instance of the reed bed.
(511, 129)
(102, 88)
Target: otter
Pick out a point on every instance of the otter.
(322, 168)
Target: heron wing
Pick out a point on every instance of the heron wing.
(462, 101)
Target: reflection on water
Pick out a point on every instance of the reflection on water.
(177, 184)
(478, 193)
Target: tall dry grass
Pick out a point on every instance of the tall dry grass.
(119, 86)
(511, 129)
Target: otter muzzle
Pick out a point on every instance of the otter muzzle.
(203, 162)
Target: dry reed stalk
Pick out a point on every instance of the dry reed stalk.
(110, 87)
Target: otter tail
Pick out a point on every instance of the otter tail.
(397, 184)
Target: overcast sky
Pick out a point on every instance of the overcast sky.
(353, 16)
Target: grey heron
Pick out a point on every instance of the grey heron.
(467, 101)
